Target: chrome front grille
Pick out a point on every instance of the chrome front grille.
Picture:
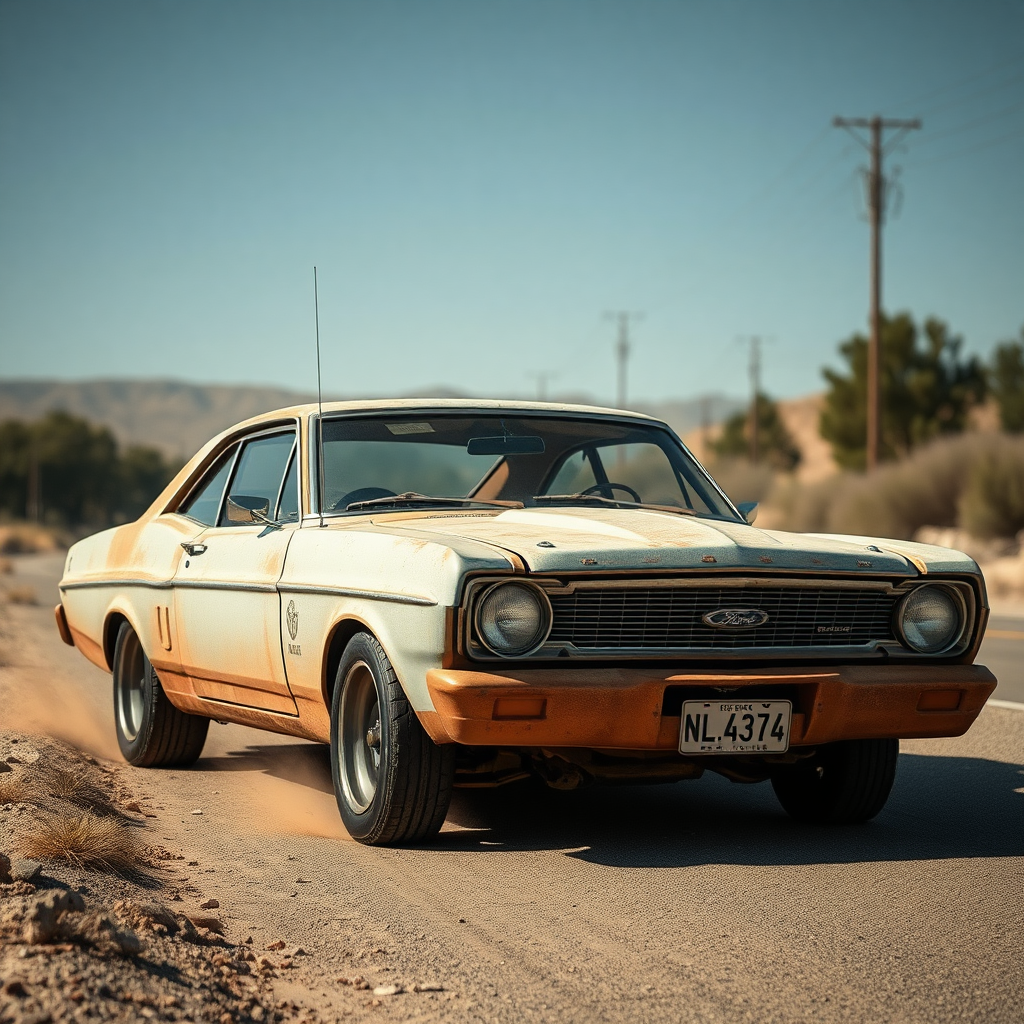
(670, 618)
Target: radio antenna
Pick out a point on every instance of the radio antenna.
(319, 408)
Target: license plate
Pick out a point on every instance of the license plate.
(735, 727)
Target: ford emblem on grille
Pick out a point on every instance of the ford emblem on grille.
(735, 618)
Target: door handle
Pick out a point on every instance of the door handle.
(192, 548)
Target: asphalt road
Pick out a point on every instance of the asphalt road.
(1003, 652)
(694, 902)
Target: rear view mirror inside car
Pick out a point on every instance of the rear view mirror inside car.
(505, 445)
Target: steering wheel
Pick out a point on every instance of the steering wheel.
(360, 494)
(608, 487)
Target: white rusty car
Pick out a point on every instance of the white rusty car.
(472, 593)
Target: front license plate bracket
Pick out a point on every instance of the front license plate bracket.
(735, 727)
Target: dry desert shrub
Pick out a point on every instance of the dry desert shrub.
(743, 480)
(18, 788)
(27, 538)
(74, 786)
(85, 840)
(6, 567)
(22, 595)
(992, 504)
(974, 481)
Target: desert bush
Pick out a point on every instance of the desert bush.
(18, 788)
(793, 505)
(22, 595)
(974, 481)
(85, 840)
(74, 786)
(743, 480)
(992, 504)
(28, 538)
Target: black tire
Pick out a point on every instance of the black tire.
(393, 785)
(842, 784)
(151, 731)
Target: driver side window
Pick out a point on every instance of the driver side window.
(203, 504)
(261, 468)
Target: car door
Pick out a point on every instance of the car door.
(227, 605)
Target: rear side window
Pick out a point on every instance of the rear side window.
(260, 471)
(203, 503)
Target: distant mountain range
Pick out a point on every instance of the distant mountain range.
(178, 417)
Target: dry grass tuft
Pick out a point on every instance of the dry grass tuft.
(74, 786)
(22, 595)
(971, 481)
(28, 538)
(18, 788)
(100, 844)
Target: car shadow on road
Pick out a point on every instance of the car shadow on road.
(940, 808)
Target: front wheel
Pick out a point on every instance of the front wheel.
(392, 782)
(151, 731)
(843, 783)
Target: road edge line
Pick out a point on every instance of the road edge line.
(1006, 705)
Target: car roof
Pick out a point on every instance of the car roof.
(440, 404)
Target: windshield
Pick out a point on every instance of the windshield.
(539, 461)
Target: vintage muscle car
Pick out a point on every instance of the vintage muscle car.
(473, 593)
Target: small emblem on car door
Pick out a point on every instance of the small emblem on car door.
(292, 617)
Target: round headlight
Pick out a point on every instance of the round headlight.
(930, 619)
(513, 619)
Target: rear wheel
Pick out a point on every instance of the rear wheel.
(392, 782)
(151, 731)
(841, 784)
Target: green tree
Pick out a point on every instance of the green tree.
(80, 476)
(142, 474)
(1007, 381)
(926, 390)
(774, 443)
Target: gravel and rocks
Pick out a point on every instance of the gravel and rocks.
(79, 944)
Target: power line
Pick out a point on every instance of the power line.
(968, 125)
(877, 187)
(976, 95)
(967, 150)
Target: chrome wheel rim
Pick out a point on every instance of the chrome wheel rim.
(131, 692)
(359, 749)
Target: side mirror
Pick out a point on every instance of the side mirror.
(748, 509)
(245, 508)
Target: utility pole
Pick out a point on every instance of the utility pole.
(33, 504)
(754, 421)
(542, 377)
(622, 350)
(705, 426)
(876, 189)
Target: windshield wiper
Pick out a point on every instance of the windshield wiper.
(414, 498)
(613, 502)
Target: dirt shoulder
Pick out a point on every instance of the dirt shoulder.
(104, 925)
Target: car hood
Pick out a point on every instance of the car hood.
(589, 539)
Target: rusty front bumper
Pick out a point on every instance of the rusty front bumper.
(639, 709)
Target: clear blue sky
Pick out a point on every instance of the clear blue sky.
(478, 181)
